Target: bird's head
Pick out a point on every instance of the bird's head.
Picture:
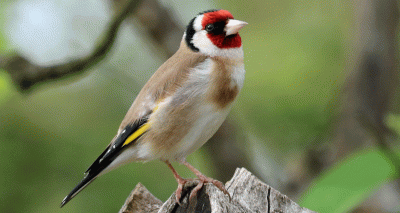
(214, 33)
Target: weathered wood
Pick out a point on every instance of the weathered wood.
(141, 200)
(248, 194)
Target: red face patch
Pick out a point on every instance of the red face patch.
(220, 40)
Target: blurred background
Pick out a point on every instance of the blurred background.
(317, 118)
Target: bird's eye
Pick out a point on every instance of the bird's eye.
(209, 27)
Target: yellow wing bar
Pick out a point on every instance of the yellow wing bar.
(136, 134)
(141, 130)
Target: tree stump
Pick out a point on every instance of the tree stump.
(248, 194)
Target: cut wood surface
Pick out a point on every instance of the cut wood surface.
(248, 194)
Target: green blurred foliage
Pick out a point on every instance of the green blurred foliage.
(349, 182)
(295, 55)
(6, 87)
(4, 45)
(295, 58)
(393, 121)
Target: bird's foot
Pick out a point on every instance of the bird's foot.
(204, 179)
(181, 184)
(201, 180)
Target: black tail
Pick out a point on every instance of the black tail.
(86, 181)
(95, 169)
(104, 160)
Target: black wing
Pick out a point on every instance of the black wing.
(103, 161)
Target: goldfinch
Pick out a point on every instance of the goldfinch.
(183, 104)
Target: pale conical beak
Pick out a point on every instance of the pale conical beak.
(233, 26)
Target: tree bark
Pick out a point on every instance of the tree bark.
(248, 195)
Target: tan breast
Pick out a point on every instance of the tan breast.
(224, 87)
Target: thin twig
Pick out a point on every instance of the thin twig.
(26, 74)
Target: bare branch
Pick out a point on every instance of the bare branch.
(26, 74)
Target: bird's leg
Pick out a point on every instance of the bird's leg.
(204, 179)
(181, 182)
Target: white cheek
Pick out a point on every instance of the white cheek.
(201, 41)
(197, 23)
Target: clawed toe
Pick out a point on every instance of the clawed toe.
(181, 185)
(194, 191)
(178, 193)
(200, 183)
(205, 179)
(221, 187)
(202, 179)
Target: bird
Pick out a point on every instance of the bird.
(182, 105)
